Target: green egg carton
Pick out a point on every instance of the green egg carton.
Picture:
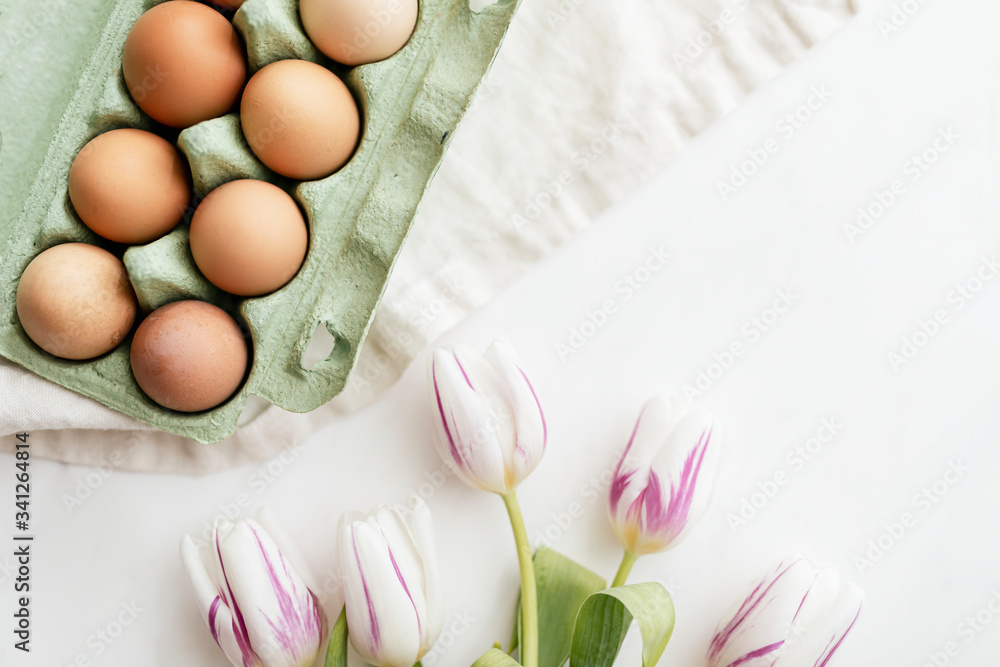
(358, 218)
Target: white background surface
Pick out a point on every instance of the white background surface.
(826, 358)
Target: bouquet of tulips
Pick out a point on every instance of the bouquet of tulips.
(256, 594)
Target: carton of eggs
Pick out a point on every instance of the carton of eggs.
(207, 203)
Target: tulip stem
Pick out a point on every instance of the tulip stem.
(529, 595)
(628, 560)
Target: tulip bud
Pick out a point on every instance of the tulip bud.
(797, 616)
(392, 588)
(488, 420)
(663, 481)
(253, 597)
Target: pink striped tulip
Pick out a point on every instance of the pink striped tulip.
(663, 481)
(797, 616)
(253, 597)
(488, 420)
(392, 587)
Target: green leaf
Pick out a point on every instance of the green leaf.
(336, 650)
(563, 586)
(605, 619)
(496, 658)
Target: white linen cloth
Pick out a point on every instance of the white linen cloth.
(586, 99)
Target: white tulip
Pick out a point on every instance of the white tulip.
(796, 616)
(253, 596)
(663, 481)
(487, 416)
(392, 587)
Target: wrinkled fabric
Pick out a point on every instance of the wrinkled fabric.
(586, 100)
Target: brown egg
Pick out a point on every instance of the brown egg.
(129, 186)
(229, 4)
(355, 32)
(300, 119)
(248, 237)
(189, 356)
(184, 63)
(75, 301)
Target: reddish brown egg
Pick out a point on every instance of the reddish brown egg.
(189, 356)
(75, 301)
(129, 186)
(300, 119)
(184, 63)
(248, 237)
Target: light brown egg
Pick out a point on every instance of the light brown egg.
(184, 63)
(248, 237)
(129, 186)
(300, 119)
(75, 301)
(356, 32)
(189, 356)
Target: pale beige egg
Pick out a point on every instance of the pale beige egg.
(356, 32)
(75, 301)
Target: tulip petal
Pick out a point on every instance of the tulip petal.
(215, 612)
(405, 559)
(486, 382)
(380, 613)
(680, 483)
(276, 529)
(631, 477)
(236, 624)
(826, 616)
(279, 613)
(531, 430)
(421, 531)
(753, 633)
(463, 424)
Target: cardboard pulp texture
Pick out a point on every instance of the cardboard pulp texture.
(358, 218)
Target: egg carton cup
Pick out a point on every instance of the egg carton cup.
(358, 218)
